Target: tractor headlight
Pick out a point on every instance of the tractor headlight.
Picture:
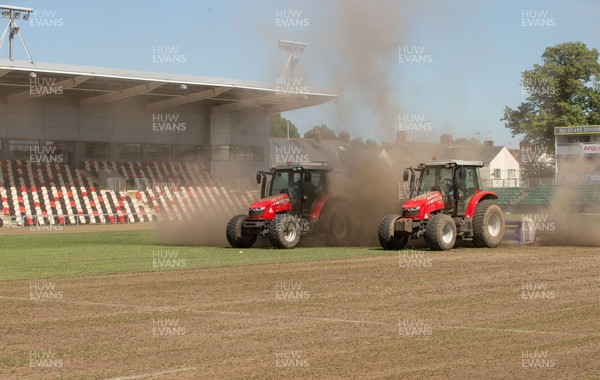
(411, 211)
(257, 211)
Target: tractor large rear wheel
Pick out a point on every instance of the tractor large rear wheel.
(440, 233)
(334, 224)
(488, 225)
(284, 231)
(237, 235)
(388, 238)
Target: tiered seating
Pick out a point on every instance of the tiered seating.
(43, 194)
(507, 195)
(54, 194)
(588, 194)
(160, 174)
(541, 195)
(182, 203)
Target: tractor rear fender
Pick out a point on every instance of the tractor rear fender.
(319, 206)
(479, 196)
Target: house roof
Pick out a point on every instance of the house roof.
(416, 152)
(471, 153)
(302, 151)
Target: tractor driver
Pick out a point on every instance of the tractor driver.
(302, 187)
(448, 187)
(307, 189)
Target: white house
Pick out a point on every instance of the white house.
(501, 168)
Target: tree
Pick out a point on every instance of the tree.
(278, 126)
(325, 131)
(559, 92)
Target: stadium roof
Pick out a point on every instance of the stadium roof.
(91, 86)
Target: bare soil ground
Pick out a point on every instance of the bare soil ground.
(529, 312)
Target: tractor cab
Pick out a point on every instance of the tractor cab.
(303, 185)
(456, 181)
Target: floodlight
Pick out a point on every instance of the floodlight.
(291, 46)
(15, 8)
(32, 75)
(183, 86)
(13, 13)
(292, 63)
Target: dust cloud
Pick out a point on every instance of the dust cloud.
(359, 49)
(371, 192)
(572, 217)
(201, 229)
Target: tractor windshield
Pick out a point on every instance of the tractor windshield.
(435, 179)
(284, 182)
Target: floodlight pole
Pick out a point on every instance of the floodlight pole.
(12, 28)
(292, 61)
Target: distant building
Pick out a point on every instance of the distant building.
(577, 153)
(501, 168)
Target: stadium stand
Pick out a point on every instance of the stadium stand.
(540, 195)
(507, 195)
(49, 194)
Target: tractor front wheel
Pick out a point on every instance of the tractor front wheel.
(440, 233)
(237, 235)
(388, 238)
(284, 231)
(488, 225)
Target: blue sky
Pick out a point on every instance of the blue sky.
(476, 51)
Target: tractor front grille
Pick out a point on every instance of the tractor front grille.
(406, 213)
(256, 212)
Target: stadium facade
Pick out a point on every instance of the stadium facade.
(66, 113)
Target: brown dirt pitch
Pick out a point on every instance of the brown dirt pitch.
(507, 313)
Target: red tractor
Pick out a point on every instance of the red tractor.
(446, 203)
(296, 201)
